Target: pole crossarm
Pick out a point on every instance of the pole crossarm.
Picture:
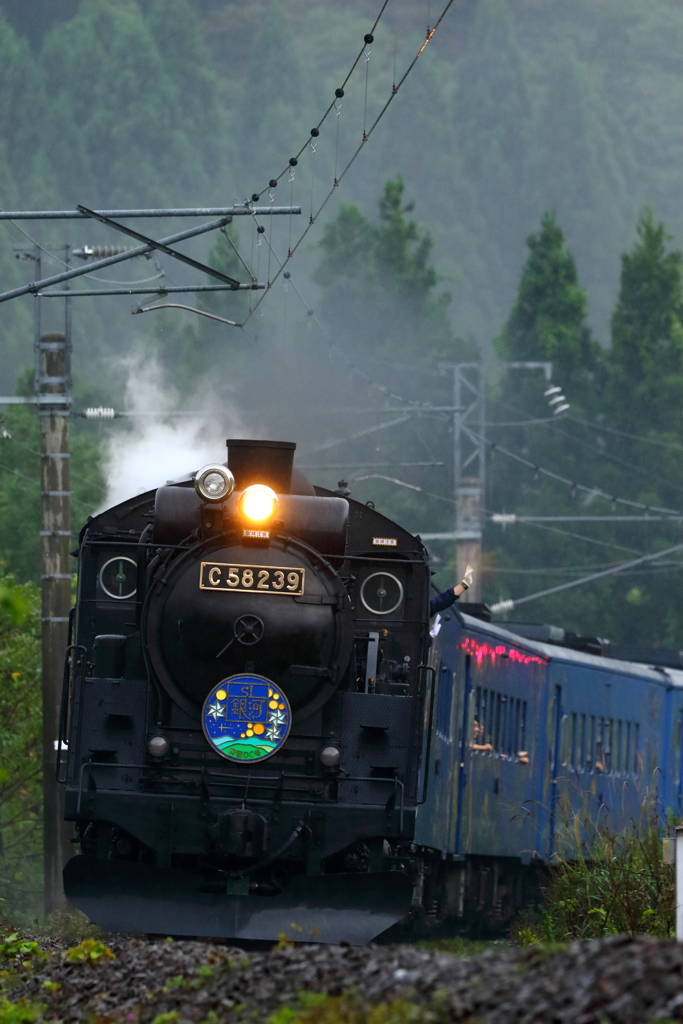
(199, 211)
(160, 246)
(142, 250)
(161, 290)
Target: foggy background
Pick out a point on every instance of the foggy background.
(516, 107)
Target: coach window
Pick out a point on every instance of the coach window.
(600, 745)
(636, 766)
(580, 743)
(609, 745)
(590, 743)
(565, 741)
(628, 763)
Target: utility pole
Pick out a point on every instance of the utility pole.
(55, 535)
(469, 467)
(52, 399)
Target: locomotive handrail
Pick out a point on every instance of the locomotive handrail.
(397, 783)
(66, 687)
(428, 750)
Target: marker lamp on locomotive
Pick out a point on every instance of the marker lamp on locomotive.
(258, 503)
(330, 757)
(158, 746)
(214, 483)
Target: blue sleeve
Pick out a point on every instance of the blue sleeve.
(442, 601)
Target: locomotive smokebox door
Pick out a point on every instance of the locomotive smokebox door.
(276, 608)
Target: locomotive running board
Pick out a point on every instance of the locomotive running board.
(121, 896)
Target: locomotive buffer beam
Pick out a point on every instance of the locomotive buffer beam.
(351, 907)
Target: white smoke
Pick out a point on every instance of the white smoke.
(155, 450)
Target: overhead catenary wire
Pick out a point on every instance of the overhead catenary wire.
(339, 92)
(591, 447)
(622, 433)
(509, 604)
(573, 484)
(366, 137)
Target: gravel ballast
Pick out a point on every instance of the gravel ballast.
(606, 981)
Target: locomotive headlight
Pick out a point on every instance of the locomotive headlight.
(214, 483)
(258, 502)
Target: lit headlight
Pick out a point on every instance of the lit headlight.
(258, 502)
(214, 483)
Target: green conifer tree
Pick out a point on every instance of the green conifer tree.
(548, 319)
(646, 359)
(379, 283)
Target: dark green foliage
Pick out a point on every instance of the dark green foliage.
(379, 283)
(20, 489)
(636, 388)
(621, 886)
(20, 750)
(646, 358)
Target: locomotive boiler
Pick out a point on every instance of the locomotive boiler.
(244, 709)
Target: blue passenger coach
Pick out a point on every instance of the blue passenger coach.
(526, 738)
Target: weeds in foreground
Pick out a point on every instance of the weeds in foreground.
(608, 885)
(91, 952)
(457, 946)
(350, 1009)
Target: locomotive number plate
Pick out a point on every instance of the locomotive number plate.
(261, 579)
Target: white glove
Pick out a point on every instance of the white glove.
(466, 581)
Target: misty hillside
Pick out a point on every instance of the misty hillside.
(516, 108)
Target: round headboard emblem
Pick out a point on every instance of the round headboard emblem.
(246, 718)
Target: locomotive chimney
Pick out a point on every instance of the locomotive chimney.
(261, 462)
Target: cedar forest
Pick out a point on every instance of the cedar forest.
(518, 203)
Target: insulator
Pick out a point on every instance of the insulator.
(99, 412)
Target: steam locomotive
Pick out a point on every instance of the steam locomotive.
(257, 737)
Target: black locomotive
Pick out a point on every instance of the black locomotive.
(260, 740)
(244, 709)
